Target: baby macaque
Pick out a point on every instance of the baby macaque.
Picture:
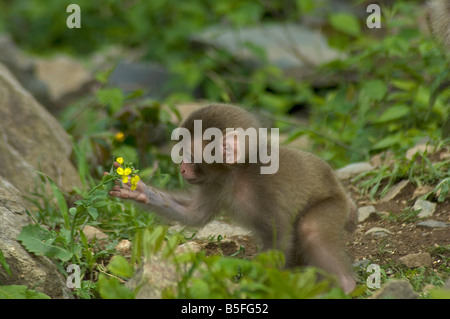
(300, 208)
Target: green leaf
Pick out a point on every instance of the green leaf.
(4, 264)
(388, 141)
(346, 23)
(59, 198)
(305, 6)
(113, 289)
(112, 98)
(440, 294)
(93, 212)
(373, 90)
(20, 292)
(73, 211)
(154, 239)
(40, 242)
(393, 113)
(119, 266)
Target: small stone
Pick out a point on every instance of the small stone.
(426, 208)
(189, 247)
(365, 212)
(92, 233)
(124, 247)
(422, 190)
(416, 260)
(394, 191)
(421, 148)
(378, 232)
(363, 263)
(354, 169)
(432, 224)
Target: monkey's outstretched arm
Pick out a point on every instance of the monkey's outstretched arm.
(177, 208)
(174, 207)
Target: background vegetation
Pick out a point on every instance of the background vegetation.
(386, 95)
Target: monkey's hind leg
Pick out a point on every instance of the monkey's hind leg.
(321, 242)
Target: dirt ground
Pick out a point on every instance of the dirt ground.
(406, 236)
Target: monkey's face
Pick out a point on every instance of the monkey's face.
(192, 173)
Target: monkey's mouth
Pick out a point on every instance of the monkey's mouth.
(195, 180)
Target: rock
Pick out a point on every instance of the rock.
(132, 76)
(54, 73)
(426, 208)
(394, 191)
(24, 69)
(378, 232)
(216, 228)
(363, 263)
(432, 224)
(288, 46)
(396, 289)
(447, 284)
(35, 272)
(124, 247)
(95, 235)
(352, 170)
(213, 229)
(416, 260)
(155, 275)
(31, 139)
(422, 190)
(387, 158)
(421, 148)
(365, 212)
(189, 247)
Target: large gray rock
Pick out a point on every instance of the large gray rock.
(23, 68)
(35, 272)
(31, 139)
(53, 72)
(287, 46)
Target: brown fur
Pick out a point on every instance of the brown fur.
(302, 209)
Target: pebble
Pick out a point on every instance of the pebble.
(416, 260)
(365, 212)
(432, 224)
(426, 208)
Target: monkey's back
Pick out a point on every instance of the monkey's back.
(302, 180)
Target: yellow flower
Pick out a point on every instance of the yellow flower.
(134, 180)
(119, 160)
(124, 173)
(120, 136)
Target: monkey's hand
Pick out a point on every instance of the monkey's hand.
(122, 190)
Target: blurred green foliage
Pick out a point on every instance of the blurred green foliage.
(385, 93)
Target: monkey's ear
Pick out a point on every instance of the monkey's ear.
(231, 148)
